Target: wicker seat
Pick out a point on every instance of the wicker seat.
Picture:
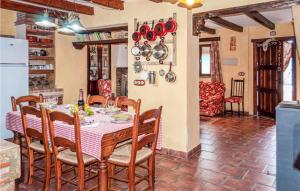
(121, 155)
(70, 157)
(72, 154)
(142, 149)
(39, 147)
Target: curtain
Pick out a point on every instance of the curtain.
(287, 54)
(216, 70)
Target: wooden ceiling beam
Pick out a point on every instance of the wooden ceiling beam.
(65, 5)
(115, 4)
(208, 30)
(265, 6)
(26, 8)
(224, 23)
(256, 16)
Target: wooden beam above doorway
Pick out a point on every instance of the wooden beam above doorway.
(26, 8)
(224, 23)
(255, 15)
(64, 5)
(208, 30)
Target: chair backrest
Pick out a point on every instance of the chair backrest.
(104, 87)
(31, 133)
(97, 99)
(32, 100)
(124, 102)
(237, 87)
(149, 118)
(208, 89)
(58, 141)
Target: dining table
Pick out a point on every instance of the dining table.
(99, 135)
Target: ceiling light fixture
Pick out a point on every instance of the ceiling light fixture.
(45, 21)
(75, 25)
(189, 4)
(63, 29)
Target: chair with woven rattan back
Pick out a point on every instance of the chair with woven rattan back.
(97, 99)
(72, 154)
(142, 149)
(34, 138)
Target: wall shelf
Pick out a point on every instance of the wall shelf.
(80, 45)
(106, 29)
(40, 45)
(39, 32)
(41, 71)
(40, 58)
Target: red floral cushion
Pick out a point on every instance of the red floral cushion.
(104, 87)
(233, 99)
(212, 97)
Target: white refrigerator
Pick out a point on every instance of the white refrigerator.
(13, 76)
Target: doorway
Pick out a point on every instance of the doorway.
(274, 73)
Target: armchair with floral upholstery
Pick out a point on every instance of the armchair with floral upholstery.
(211, 98)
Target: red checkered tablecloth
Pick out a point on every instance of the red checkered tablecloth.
(91, 135)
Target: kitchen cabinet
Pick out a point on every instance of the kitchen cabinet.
(99, 66)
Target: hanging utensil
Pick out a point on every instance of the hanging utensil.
(146, 50)
(170, 76)
(152, 76)
(144, 73)
(136, 49)
(171, 26)
(151, 35)
(137, 66)
(136, 36)
(162, 72)
(144, 29)
(160, 51)
(160, 29)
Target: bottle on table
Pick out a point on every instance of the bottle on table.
(111, 100)
(81, 101)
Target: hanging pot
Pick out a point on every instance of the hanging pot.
(160, 51)
(136, 50)
(160, 29)
(136, 36)
(146, 50)
(151, 35)
(144, 29)
(170, 76)
(171, 25)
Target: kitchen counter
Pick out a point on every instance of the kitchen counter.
(55, 94)
(288, 147)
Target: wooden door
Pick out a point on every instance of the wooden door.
(268, 77)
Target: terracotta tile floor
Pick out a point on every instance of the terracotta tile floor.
(237, 154)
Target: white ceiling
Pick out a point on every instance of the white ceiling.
(276, 16)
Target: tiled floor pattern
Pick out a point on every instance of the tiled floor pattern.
(237, 154)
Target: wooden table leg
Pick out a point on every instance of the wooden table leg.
(103, 175)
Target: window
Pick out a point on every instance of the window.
(205, 67)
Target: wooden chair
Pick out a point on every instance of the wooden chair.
(236, 95)
(72, 154)
(19, 138)
(32, 100)
(141, 150)
(97, 99)
(33, 139)
(124, 102)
